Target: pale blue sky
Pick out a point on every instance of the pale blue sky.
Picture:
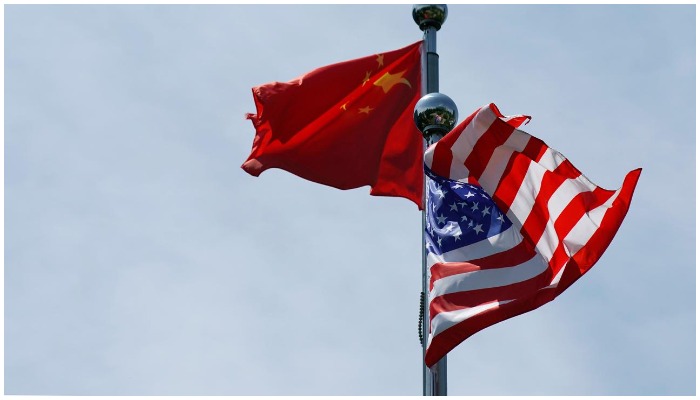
(141, 260)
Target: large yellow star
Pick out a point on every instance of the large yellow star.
(387, 81)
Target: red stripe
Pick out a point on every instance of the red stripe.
(450, 338)
(566, 168)
(535, 148)
(536, 222)
(472, 298)
(516, 255)
(514, 174)
(505, 193)
(473, 181)
(514, 121)
(442, 154)
(478, 158)
(511, 181)
(574, 211)
(594, 248)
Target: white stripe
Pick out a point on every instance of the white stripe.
(498, 162)
(428, 155)
(527, 193)
(560, 200)
(458, 171)
(495, 244)
(465, 142)
(480, 124)
(584, 229)
(448, 319)
(585, 181)
(555, 281)
(557, 203)
(566, 192)
(549, 241)
(551, 159)
(509, 118)
(489, 278)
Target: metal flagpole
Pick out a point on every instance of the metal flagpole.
(435, 115)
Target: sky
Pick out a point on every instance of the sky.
(141, 260)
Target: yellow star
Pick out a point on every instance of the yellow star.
(367, 74)
(344, 107)
(387, 81)
(365, 110)
(380, 60)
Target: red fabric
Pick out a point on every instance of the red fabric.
(345, 125)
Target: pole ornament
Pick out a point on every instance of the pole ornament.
(429, 15)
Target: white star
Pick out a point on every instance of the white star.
(475, 206)
(462, 204)
(457, 236)
(440, 193)
(439, 241)
(471, 223)
(470, 194)
(464, 218)
(457, 186)
(486, 211)
(453, 207)
(484, 195)
(478, 229)
(500, 218)
(441, 219)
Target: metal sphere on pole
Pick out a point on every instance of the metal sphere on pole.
(429, 15)
(435, 115)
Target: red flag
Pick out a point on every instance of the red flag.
(345, 125)
(490, 260)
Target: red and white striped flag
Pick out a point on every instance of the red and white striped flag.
(511, 224)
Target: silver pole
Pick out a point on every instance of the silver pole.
(430, 18)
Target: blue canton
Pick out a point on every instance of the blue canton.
(459, 214)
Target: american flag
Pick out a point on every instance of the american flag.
(510, 224)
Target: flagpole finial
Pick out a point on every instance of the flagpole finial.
(435, 114)
(429, 15)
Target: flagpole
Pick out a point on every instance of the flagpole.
(430, 18)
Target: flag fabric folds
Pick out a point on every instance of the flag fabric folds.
(345, 125)
(510, 225)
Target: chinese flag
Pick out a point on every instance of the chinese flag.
(345, 125)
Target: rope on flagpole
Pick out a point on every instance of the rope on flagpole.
(421, 315)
